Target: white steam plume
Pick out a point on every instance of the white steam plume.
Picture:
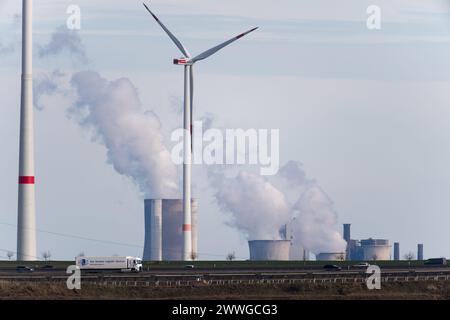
(293, 173)
(133, 138)
(64, 40)
(316, 219)
(258, 209)
(47, 84)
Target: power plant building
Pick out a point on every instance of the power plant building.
(376, 249)
(269, 250)
(353, 250)
(296, 252)
(164, 229)
(369, 249)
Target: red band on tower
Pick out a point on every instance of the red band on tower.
(187, 227)
(26, 180)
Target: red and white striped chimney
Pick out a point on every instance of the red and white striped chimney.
(26, 226)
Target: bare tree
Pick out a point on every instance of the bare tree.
(10, 254)
(341, 257)
(374, 257)
(193, 256)
(409, 256)
(231, 256)
(46, 255)
(81, 254)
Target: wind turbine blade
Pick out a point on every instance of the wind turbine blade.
(211, 51)
(191, 87)
(170, 34)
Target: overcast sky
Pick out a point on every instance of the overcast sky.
(365, 112)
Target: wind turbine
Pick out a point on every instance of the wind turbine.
(26, 220)
(188, 62)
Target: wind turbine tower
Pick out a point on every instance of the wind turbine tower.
(188, 62)
(26, 224)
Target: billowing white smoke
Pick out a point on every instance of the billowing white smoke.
(10, 11)
(133, 138)
(64, 40)
(47, 84)
(316, 219)
(314, 226)
(258, 208)
(293, 173)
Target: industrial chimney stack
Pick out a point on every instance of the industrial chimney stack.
(396, 251)
(420, 251)
(26, 225)
(347, 234)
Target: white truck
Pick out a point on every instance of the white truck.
(124, 264)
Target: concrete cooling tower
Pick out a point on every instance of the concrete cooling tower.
(376, 249)
(269, 250)
(164, 229)
(153, 230)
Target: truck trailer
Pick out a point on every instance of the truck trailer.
(123, 264)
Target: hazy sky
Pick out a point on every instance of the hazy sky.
(365, 111)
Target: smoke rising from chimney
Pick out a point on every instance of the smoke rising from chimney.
(132, 137)
(259, 209)
(47, 84)
(64, 40)
(316, 219)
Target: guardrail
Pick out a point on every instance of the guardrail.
(208, 280)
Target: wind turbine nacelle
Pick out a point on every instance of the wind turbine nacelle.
(181, 62)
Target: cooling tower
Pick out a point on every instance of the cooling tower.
(153, 224)
(164, 229)
(396, 251)
(420, 252)
(172, 230)
(297, 252)
(26, 220)
(376, 249)
(269, 250)
(331, 256)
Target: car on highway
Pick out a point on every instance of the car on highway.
(47, 268)
(24, 269)
(189, 266)
(332, 267)
(362, 265)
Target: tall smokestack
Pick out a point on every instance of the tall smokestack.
(396, 251)
(420, 251)
(347, 235)
(26, 225)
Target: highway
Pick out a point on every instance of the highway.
(181, 276)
